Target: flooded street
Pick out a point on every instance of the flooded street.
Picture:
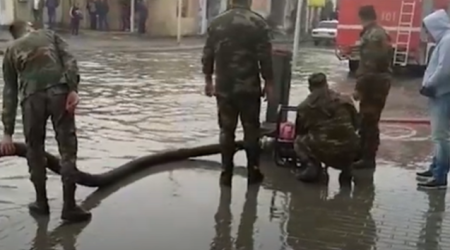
(135, 103)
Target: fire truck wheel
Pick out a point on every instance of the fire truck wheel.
(353, 65)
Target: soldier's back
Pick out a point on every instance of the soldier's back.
(330, 123)
(37, 61)
(376, 51)
(235, 35)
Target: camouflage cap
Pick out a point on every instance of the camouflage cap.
(367, 12)
(317, 79)
(19, 26)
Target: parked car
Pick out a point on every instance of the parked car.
(325, 32)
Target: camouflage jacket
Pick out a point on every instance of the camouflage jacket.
(35, 62)
(238, 50)
(375, 57)
(329, 119)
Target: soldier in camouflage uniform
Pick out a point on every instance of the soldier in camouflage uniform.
(373, 83)
(41, 74)
(326, 129)
(238, 51)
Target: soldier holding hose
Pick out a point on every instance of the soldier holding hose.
(238, 51)
(41, 74)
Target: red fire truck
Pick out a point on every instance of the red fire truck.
(401, 18)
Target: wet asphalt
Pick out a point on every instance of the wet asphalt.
(136, 101)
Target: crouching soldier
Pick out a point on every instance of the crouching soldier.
(39, 71)
(326, 129)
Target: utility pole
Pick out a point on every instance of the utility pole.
(297, 34)
(180, 7)
(204, 17)
(132, 15)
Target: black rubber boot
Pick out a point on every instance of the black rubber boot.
(345, 179)
(365, 163)
(71, 211)
(227, 157)
(311, 173)
(254, 175)
(226, 177)
(40, 206)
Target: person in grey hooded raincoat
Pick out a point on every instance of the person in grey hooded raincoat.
(436, 87)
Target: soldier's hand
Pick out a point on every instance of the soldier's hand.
(268, 92)
(72, 101)
(209, 89)
(7, 147)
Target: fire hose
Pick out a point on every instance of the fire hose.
(115, 175)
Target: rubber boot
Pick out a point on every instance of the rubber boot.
(345, 179)
(71, 211)
(226, 177)
(40, 206)
(311, 173)
(364, 163)
(254, 175)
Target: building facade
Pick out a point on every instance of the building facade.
(162, 14)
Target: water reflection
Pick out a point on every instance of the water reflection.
(430, 235)
(223, 219)
(64, 235)
(155, 102)
(249, 216)
(341, 222)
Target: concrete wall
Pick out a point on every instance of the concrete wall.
(22, 9)
(6, 12)
(162, 20)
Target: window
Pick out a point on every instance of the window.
(327, 25)
(185, 8)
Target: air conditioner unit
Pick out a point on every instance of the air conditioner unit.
(430, 49)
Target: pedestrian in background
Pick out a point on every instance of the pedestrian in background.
(436, 86)
(38, 6)
(103, 10)
(238, 51)
(142, 11)
(91, 7)
(75, 17)
(51, 5)
(125, 14)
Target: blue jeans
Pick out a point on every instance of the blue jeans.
(440, 132)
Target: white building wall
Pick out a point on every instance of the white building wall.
(6, 12)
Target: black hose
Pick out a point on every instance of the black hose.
(129, 168)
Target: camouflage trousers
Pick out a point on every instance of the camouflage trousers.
(230, 109)
(309, 151)
(370, 109)
(36, 110)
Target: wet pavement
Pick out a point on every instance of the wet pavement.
(136, 103)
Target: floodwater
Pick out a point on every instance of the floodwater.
(137, 103)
